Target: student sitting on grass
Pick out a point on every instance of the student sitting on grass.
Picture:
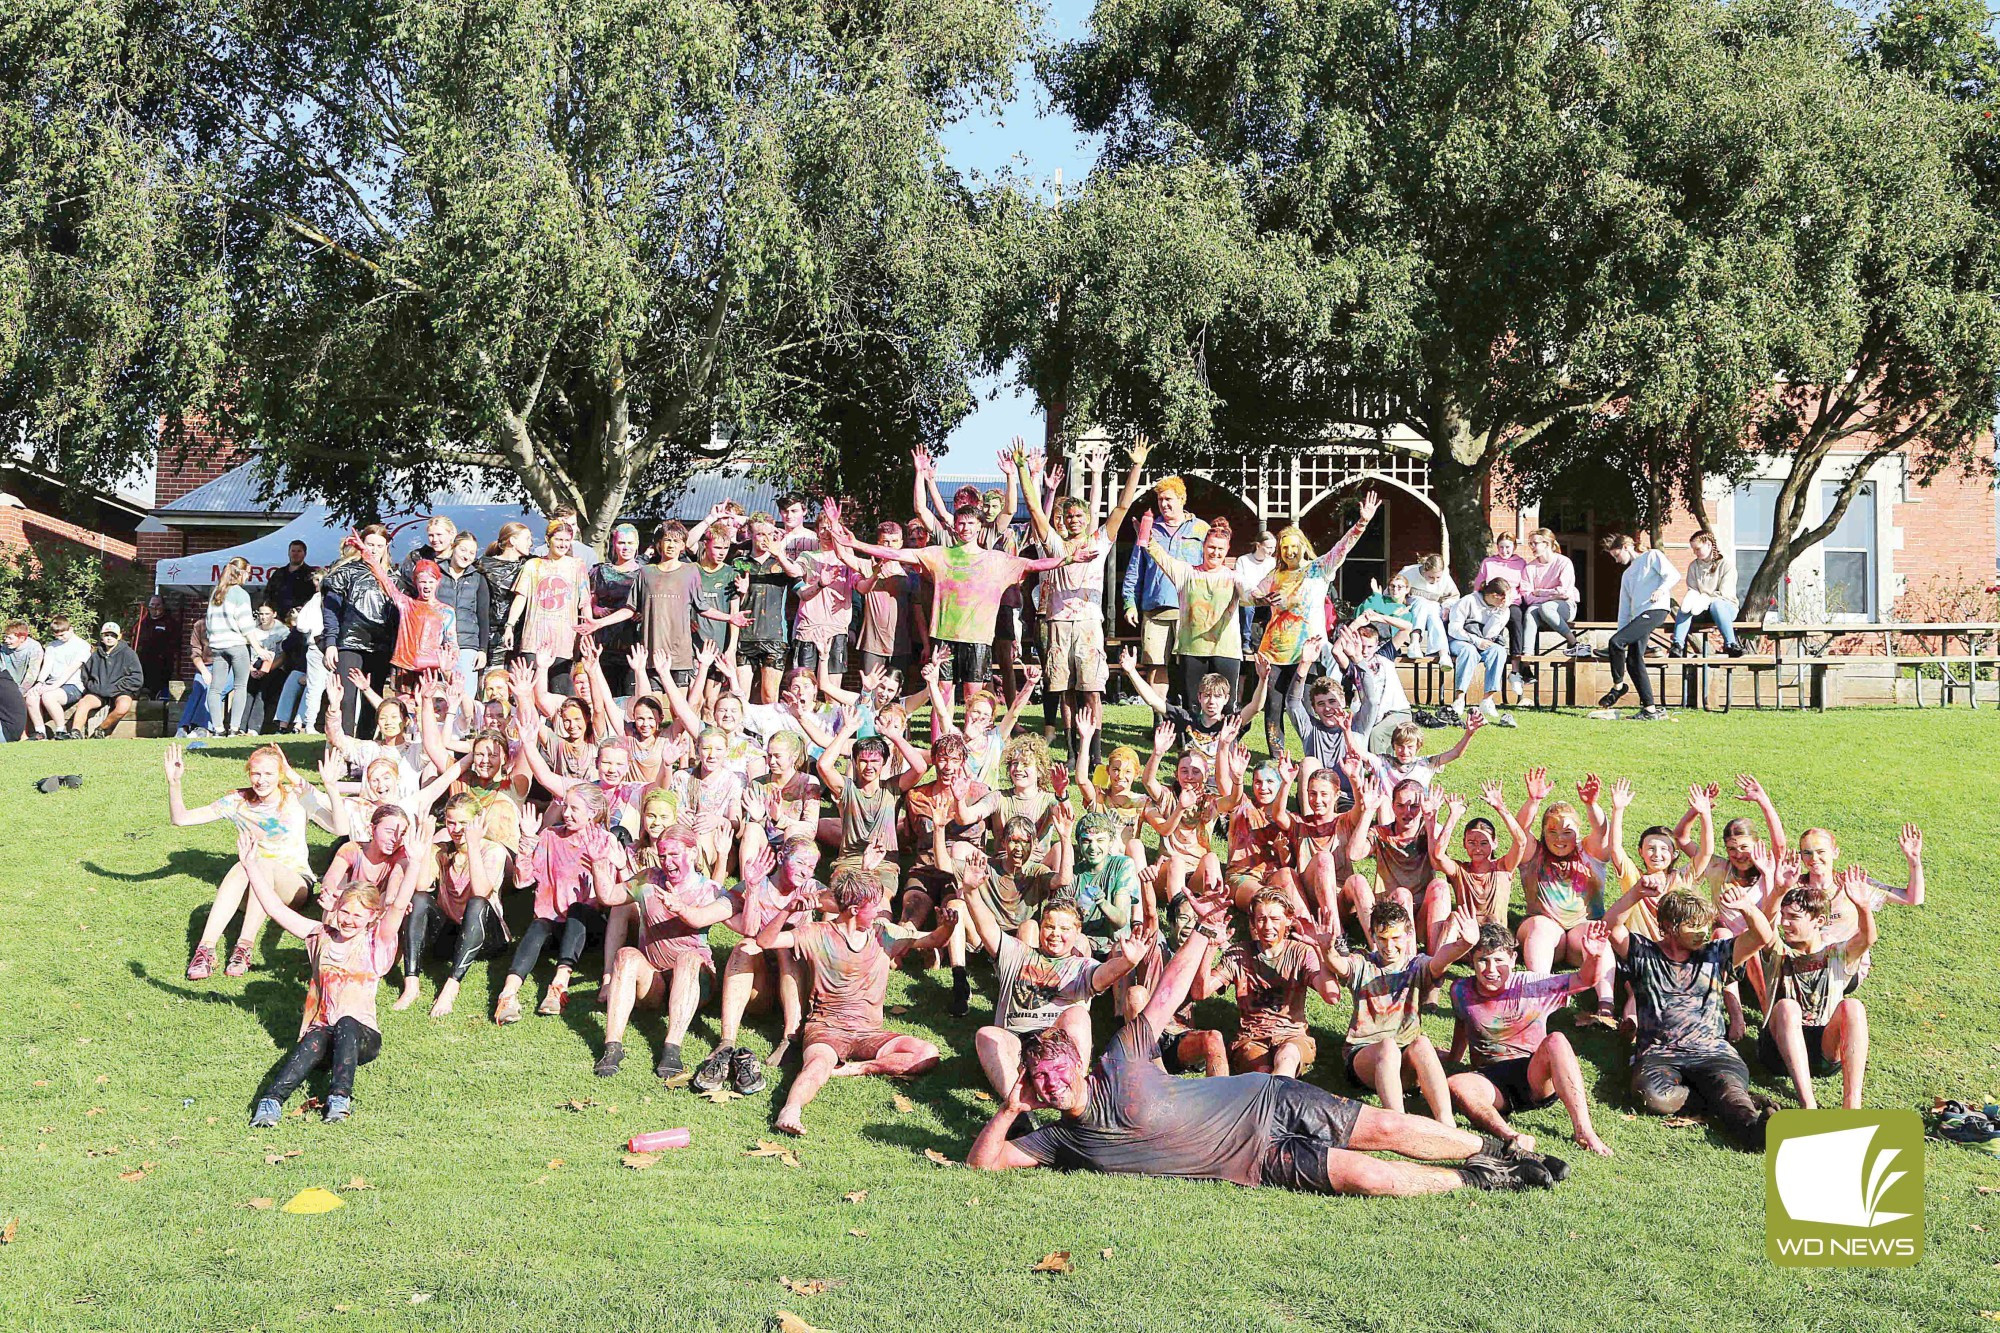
(1814, 1028)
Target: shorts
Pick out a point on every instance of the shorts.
(900, 663)
(1307, 1123)
(1818, 1063)
(666, 955)
(1007, 625)
(966, 663)
(805, 656)
(846, 1045)
(938, 883)
(1157, 631)
(761, 653)
(1075, 656)
(1510, 1081)
(71, 693)
(1249, 1051)
(1169, 1051)
(1348, 1050)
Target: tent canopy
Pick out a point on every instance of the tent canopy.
(322, 533)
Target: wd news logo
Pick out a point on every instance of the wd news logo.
(1844, 1189)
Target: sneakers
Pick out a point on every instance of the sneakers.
(1516, 684)
(338, 1108)
(714, 1070)
(1492, 714)
(267, 1113)
(1653, 714)
(508, 1010)
(552, 1001)
(961, 993)
(1580, 649)
(607, 1063)
(202, 966)
(1612, 696)
(670, 1069)
(744, 1073)
(239, 960)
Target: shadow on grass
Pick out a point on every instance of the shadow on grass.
(193, 862)
(275, 1001)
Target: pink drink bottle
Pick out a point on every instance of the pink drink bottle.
(658, 1141)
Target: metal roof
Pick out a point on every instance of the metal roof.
(235, 494)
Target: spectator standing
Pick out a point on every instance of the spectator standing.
(1151, 605)
(232, 642)
(609, 621)
(357, 626)
(465, 591)
(287, 589)
(156, 637)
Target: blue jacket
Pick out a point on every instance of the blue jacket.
(1147, 586)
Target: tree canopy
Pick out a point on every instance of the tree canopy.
(581, 245)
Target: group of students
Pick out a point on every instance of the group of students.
(556, 807)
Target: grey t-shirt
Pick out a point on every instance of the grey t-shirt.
(663, 604)
(1140, 1120)
(1680, 1005)
(1035, 988)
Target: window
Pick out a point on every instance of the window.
(1849, 552)
(1755, 501)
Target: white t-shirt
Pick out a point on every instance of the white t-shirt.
(63, 659)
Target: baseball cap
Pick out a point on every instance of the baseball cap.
(109, 627)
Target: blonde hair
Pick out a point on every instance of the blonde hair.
(1173, 486)
(232, 576)
(508, 531)
(556, 525)
(290, 784)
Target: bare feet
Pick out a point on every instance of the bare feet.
(408, 997)
(788, 1122)
(779, 1052)
(444, 999)
(1588, 1139)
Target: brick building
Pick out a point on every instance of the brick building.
(39, 512)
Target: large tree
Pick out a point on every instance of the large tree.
(1492, 222)
(579, 245)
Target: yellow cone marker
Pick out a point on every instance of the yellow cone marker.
(314, 1200)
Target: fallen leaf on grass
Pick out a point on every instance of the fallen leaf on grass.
(112, 1151)
(132, 1177)
(103, 1079)
(899, 1009)
(857, 1231)
(1990, 1314)
(555, 1164)
(982, 1096)
(578, 1103)
(1682, 1121)
(41, 1083)
(1630, 1116)
(8, 1230)
(259, 1204)
(937, 1157)
(765, 1148)
(902, 1104)
(855, 1196)
(95, 1110)
(784, 1321)
(357, 1184)
(639, 1161)
(1054, 1263)
(342, 1309)
(972, 1202)
(272, 1159)
(721, 1096)
(809, 1286)
(419, 1297)
(1104, 1253)
(1978, 1228)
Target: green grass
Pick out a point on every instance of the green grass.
(458, 1122)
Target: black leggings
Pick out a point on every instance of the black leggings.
(583, 924)
(1284, 680)
(425, 923)
(1194, 668)
(357, 715)
(1718, 1083)
(1628, 653)
(350, 1042)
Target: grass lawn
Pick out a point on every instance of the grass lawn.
(492, 1203)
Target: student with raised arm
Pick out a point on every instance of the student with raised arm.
(1562, 881)
(1385, 1042)
(1199, 729)
(350, 951)
(1818, 856)
(1813, 1028)
(1296, 592)
(457, 897)
(1073, 616)
(1212, 595)
(1128, 1116)
(1484, 881)
(274, 809)
(850, 957)
(867, 806)
(1517, 1063)
(1681, 1054)
(1271, 976)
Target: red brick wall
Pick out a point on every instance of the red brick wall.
(31, 529)
(1948, 530)
(203, 458)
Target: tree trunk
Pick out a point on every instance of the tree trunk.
(1459, 463)
(1786, 512)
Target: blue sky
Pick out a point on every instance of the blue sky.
(1040, 142)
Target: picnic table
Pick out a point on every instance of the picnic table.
(1810, 660)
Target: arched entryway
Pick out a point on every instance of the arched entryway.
(1408, 527)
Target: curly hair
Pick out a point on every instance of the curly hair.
(1094, 820)
(1031, 748)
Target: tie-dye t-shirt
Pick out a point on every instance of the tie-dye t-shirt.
(554, 589)
(1385, 1003)
(1570, 891)
(1680, 1005)
(1511, 1024)
(969, 582)
(345, 976)
(278, 825)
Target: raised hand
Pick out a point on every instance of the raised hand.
(1463, 927)
(1621, 793)
(1492, 792)
(1163, 736)
(1031, 675)
(529, 823)
(1911, 840)
(757, 870)
(357, 678)
(873, 857)
(1749, 789)
(756, 803)
(1597, 937)
(1128, 658)
(1140, 449)
(1734, 898)
(1055, 480)
(246, 843)
(1135, 946)
(174, 765)
(1700, 799)
(1370, 503)
(1538, 784)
